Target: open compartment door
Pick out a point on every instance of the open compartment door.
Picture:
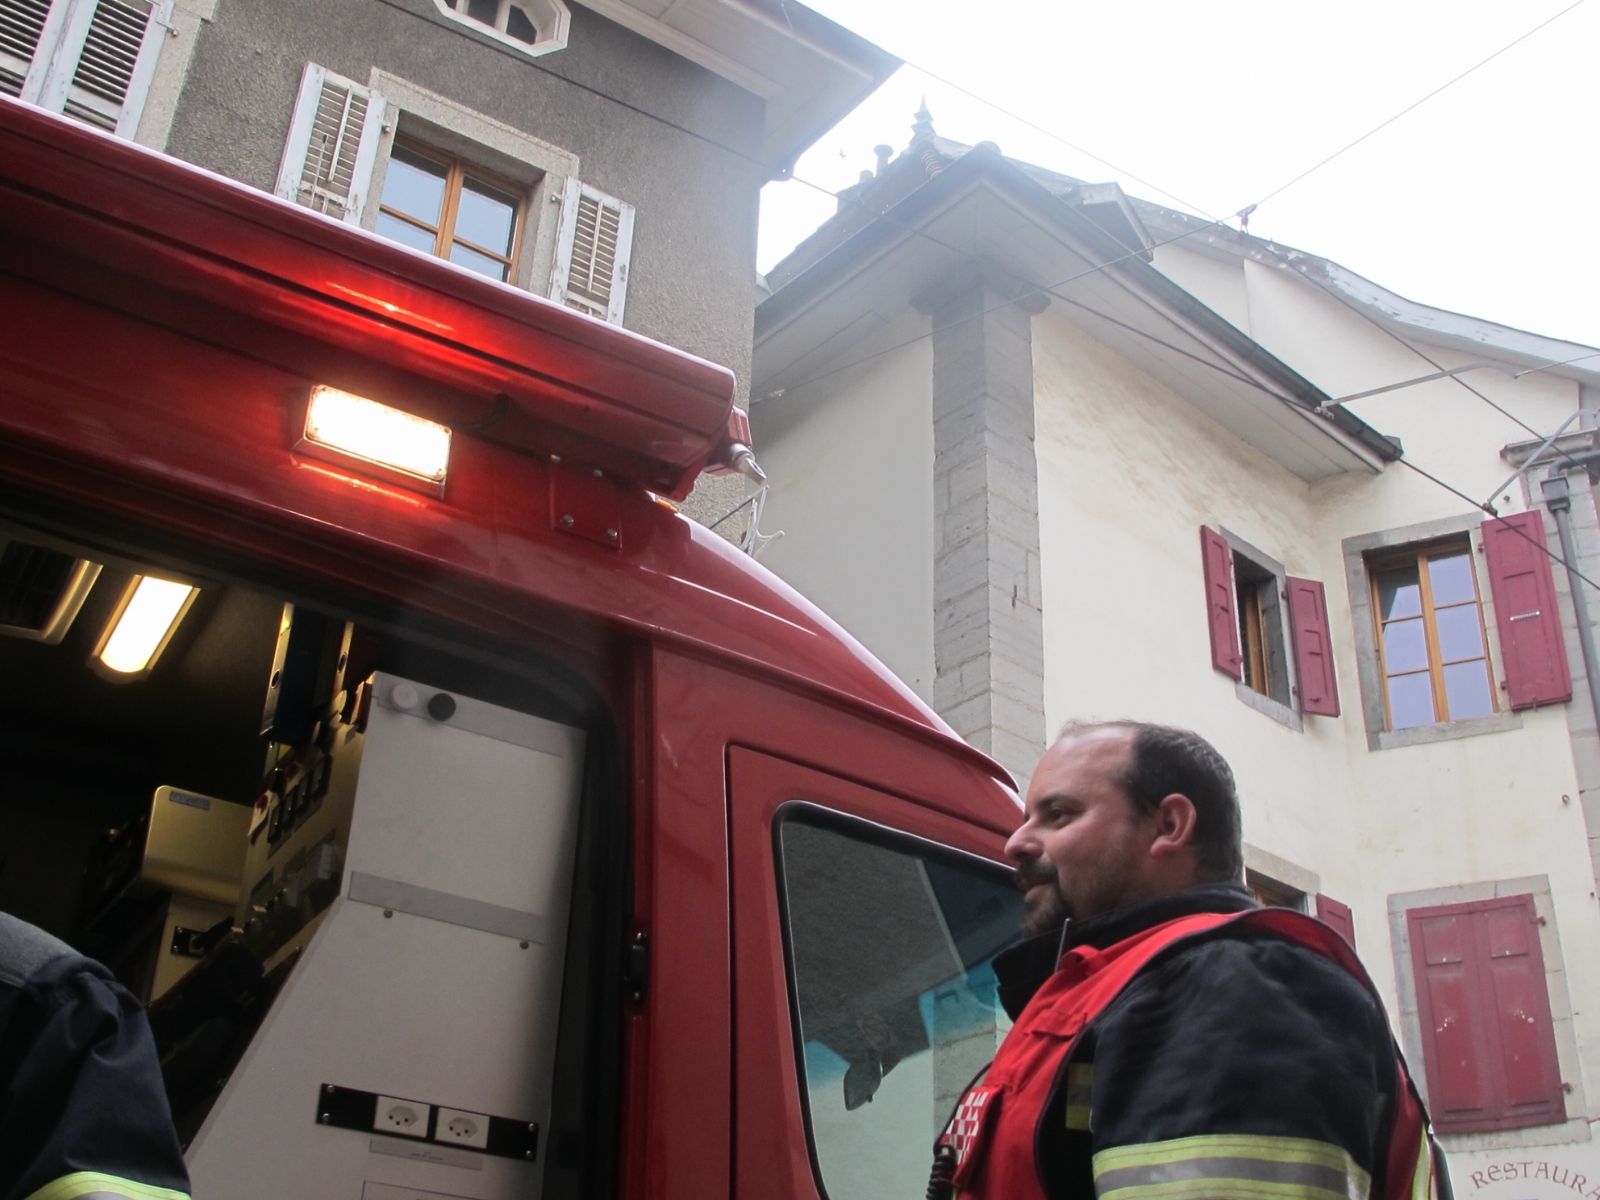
(411, 1052)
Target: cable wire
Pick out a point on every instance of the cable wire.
(1049, 133)
(1418, 103)
(1272, 249)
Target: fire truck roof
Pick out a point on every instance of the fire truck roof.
(170, 324)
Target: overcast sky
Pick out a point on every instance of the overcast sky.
(1482, 200)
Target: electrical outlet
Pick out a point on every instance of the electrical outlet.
(405, 1117)
(457, 1128)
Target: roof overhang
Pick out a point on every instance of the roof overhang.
(810, 70)
(1390, 311)
(131, 229)
(982, 212)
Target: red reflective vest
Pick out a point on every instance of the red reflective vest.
(994, 1131)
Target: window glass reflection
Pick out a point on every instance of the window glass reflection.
(1466, 686)
(406, 233)
(890, 951)
(484, 217)
(1411, 700)
(475, 261)
(1405, 646)
(1450, 578)
(415, 186)
(1460, 634)
(1399, 594)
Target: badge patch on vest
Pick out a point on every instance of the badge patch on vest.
(968, 1127)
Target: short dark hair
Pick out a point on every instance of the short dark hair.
(1163, 760)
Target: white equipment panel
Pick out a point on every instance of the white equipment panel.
(436, 976)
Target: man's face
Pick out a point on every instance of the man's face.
(1081, 850)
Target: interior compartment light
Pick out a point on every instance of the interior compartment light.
(377, 436)
(144, 624)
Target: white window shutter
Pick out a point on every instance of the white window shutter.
(333, 145)
(104, 59)
(29, 31)
(593, 248)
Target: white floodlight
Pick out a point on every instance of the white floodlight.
(143, 625)
(343, 426)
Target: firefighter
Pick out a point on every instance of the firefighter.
(1173, 1040)
(82, 1109)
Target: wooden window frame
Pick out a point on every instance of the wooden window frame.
(1252, 636)
(1417, 556)
(457, 171)
(1274, 893)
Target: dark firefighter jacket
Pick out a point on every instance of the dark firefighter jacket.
(1235, 1035)
(82, 1109)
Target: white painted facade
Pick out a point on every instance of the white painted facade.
(871, 425)
(1128, 470)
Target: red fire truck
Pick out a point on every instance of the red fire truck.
(472, 823)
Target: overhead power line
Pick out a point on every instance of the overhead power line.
(1418, 103)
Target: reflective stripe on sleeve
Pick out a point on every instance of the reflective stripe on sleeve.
(1422, 1180)
(91, 1185)
(1080, 1089)
(1230, 1167)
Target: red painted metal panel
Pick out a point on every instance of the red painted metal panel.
(1526, 613)
(1488, 1040)
(1313, 649)
(1222, 617)
(1338, 916)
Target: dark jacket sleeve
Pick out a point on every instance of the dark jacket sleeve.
(1248, 1059)
(82, 1093)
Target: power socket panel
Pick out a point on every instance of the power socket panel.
(407, 1118)
(395, 1116)
(459, 1128)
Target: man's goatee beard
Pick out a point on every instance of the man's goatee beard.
(1048, 913)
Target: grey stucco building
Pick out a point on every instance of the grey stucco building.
(609, 155)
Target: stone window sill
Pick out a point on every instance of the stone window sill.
(1444, 731)
(1266, 705)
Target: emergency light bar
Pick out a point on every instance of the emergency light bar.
(143, 625)
(354, 431)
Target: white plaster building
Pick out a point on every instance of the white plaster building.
(1003, 412)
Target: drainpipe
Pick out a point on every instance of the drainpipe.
(1558, 499)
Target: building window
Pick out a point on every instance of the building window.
(1432, 649)
(1261, 639)
(531, 26)
(1273, 893)
(1268, 629)
(1483, 1008)
(443, 207)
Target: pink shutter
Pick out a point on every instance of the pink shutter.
(1221, 617)
(1313, 650)
(1338, 917)
(1443, 961)
(1526, 613)
(1488, 1040)
(1516, 994)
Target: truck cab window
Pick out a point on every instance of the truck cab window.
(890, 942)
